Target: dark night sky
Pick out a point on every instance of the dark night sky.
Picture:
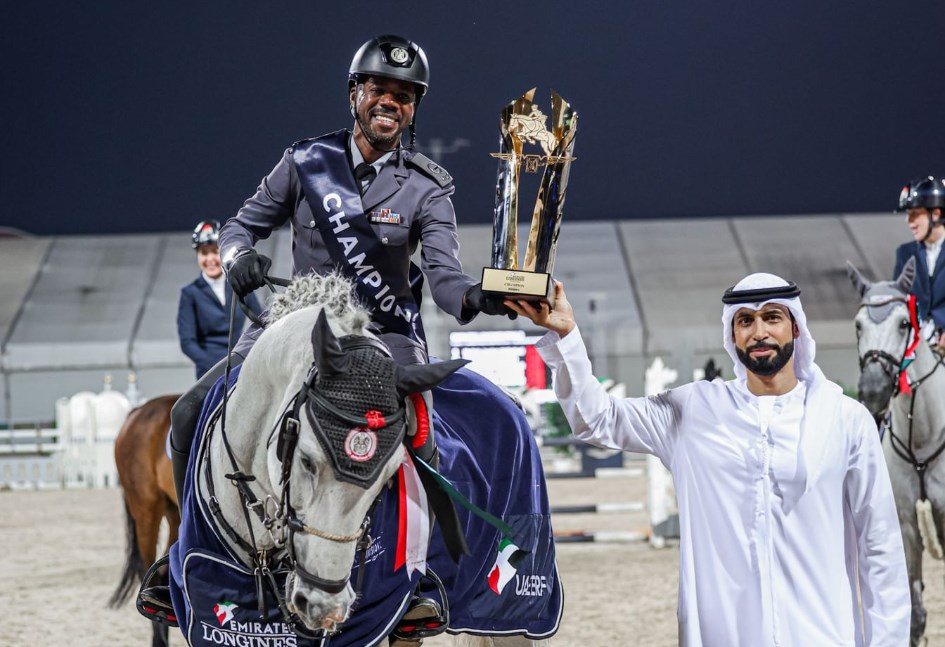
(146, 116)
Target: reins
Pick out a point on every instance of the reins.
(896, 371)
(904, 449)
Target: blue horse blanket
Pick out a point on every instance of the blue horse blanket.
(488, 452)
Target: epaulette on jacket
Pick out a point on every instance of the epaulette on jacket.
(431, 169)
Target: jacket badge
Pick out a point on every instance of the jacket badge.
(385, 217)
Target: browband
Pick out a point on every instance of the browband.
(788, 291)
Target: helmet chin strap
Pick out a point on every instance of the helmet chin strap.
(933, 223)
(373, 141)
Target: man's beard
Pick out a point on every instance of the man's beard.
(378, 140)
(766, 366)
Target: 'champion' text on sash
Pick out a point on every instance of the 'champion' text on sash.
(366, 273)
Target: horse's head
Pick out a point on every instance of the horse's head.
(352, 422)
(883, 332)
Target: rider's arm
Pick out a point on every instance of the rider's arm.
(268, 209)
(440, 253)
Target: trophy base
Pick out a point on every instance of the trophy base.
(518, 284)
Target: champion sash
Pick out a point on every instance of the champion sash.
(330, 189)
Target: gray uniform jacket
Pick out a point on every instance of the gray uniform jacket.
(408, 184)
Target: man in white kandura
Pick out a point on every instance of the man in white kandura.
(786, 513)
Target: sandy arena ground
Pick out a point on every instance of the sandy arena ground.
(61, 553)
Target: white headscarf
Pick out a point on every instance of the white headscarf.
(821, 405)
(804, 346)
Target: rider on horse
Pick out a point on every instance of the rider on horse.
(923, 200)
(359, 202)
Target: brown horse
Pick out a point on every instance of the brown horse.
(147, 482)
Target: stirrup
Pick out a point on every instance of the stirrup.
(425, 617)
(154, 601)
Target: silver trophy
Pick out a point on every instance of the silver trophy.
(522, 122)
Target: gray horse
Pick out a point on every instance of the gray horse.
(910, 410)
(315, 431)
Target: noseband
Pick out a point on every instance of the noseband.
(312, 397)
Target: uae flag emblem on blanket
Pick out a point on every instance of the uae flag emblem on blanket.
(506, 565)
(224, 611)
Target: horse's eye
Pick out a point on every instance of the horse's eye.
(904, 324)
(858, 326)
(307, 465)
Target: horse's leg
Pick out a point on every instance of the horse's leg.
(905, 486)
(159, 637)
(912, 543)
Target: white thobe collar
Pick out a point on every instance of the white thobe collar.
(821, 407)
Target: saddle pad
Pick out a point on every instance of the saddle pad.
(508, 586)
(224, 608)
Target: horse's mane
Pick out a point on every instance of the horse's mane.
(332, 292)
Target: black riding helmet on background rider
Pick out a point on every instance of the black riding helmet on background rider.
(926, 193)
(206, 232)
(391, 57)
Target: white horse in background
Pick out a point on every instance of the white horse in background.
(911, 412)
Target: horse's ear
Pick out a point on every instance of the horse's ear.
(859, 281)
(906, 276)
(329, 358)
(413, 378)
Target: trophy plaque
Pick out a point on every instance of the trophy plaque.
(522, 122)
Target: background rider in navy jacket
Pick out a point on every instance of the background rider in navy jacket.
(203, 315)
(923, 201)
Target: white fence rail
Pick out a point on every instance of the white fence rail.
(75, 450)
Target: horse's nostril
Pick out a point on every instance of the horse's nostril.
(299, 601)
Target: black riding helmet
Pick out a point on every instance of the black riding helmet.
(393, 57)
(206, 232)
(922, 193)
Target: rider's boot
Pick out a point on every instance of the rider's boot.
(179, 467)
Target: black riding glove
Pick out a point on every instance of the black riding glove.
(486, 304)
(248, 272)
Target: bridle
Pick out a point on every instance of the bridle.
(280, 519)
(290, 427)
(891, 366)
(895, 370)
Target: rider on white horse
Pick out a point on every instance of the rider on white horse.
(359, 203)
(923, 201)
